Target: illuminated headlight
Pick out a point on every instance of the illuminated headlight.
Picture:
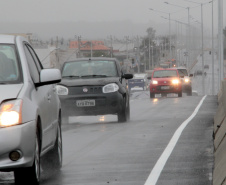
(175, 82)
(154, 82)
(110, 88)
(10, 113)
(61, 90)
(186, 80)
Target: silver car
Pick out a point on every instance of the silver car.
(30, 112)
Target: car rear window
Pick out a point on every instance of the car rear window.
(9, 67)
(139, 76)
(86, 69)
(165, 74)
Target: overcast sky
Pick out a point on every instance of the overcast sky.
(97, 11)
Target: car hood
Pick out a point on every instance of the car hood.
(89, 81)
(9, 91)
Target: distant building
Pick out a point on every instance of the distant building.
(86, 47)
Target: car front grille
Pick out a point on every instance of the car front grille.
(85, 90)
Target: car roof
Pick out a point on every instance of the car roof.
(7, 39)
(94, 58)
(164, 69)
(180, 68)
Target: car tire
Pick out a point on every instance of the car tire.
(123, 115)
(189, 93)
(30, 175)
(180, 94)
(152, 95)
(53, 159)
(164, 95)
(128, 112)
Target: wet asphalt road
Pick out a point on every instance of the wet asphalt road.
(99, 151)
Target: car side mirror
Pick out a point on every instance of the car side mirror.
(49, 76)
(149, 77)
(191, 75)
(127, 76)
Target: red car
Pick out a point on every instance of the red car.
(165, 81)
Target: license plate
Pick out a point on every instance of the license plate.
(85, 103)
(165, 87)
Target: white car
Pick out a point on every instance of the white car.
(30, 112)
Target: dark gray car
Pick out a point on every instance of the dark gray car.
(95, 86)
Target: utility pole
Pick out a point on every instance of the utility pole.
(111, 46)
(127, 39)
(212, 52)
(79, 45)
(221, 39)
(149, 53)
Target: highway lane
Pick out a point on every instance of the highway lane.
(98, 150)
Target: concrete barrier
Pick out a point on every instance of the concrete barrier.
(219, 172)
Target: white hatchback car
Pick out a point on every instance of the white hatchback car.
(30, 112)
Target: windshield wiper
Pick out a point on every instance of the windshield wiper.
(71, 76)
(94, 76)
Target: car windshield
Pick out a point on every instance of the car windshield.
(90, 69)
(9, 69)
(182, 72)
(139, 76)
(165, 74)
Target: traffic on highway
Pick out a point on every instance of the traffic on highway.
(112, 92)
(112, 134)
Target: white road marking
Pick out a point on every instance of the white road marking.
(156, 171)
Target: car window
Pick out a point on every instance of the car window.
(9, 66)
(86, 69)
(182, 72)
(34, 71)
(36, 59)
(165, 73)
(139, 76)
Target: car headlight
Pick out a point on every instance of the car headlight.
(110, 88)
(175, 82)
(154, 82)
(61, 90)
(10, 113)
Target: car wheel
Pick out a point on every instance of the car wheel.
(128, 112)
(152, 95)
(164, 95)
(30, 175)
(189, 93)
(122, 116)
(180, 94)
(53, 159)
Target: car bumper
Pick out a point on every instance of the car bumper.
(17, 138)
(109, 103)
(165, 89)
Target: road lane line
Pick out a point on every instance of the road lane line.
(156, 171)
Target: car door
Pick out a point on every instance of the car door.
(42, 96)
